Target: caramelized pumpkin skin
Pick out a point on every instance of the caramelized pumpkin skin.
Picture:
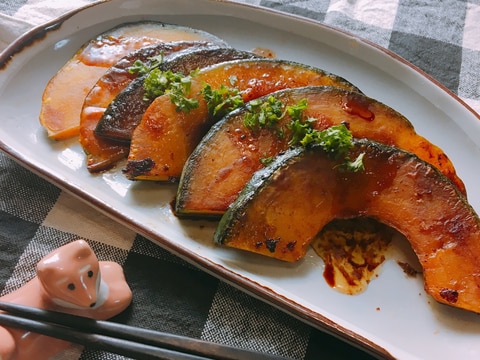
(286, 204)
(104, 153)
(229, 154)
(165, 138)
(62, 102)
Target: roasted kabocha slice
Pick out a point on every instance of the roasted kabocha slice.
(125, 111)
(241, 143)
(64, 94)
(102, 152)
(285, 205)
(175, 122)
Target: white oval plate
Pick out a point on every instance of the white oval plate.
(393, 317)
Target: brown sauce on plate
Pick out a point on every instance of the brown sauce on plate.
(352, 251)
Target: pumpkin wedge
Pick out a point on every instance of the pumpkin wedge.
(104, 153)
(62, 101)
(125, 111)
(230, 153)
(166, 137)
(286, 204)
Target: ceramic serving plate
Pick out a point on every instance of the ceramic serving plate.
(393, 318)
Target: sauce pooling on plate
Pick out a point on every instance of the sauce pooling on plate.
(353, 251)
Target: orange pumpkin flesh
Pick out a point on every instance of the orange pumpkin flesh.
(230, 153)
(165, 137)
(285, 205)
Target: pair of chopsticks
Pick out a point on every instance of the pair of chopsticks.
(117, 338)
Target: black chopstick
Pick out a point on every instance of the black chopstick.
(117, 338)
(96, 341)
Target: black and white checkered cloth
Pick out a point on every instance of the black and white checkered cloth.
(442, 37)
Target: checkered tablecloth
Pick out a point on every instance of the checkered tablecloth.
(442, 37)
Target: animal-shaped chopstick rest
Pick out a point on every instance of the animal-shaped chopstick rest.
(70, 279)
